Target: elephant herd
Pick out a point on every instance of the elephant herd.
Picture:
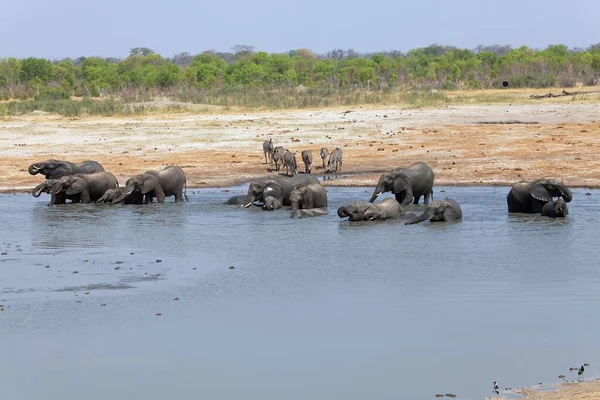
(88, 182)
(282, 157)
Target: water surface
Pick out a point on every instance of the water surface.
(315, 308)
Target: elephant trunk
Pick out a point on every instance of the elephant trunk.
(34, 169)
(128, 190)
(420, 218)
(248, 201)
(343, 212)
(376, 194)
(37, 191)
(566, 194)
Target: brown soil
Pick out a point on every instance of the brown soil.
(219, 148)
(568, 391)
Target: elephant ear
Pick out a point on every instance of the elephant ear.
(78, 185)
(400, 184)
(149, 185)
(539, 192)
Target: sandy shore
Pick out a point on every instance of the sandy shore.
(567, 391)
(560, 139)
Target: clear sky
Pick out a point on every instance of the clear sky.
(72, 28)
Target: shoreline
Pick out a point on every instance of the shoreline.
(586, 390)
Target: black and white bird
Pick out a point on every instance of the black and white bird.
(496, 388)
(580, 372)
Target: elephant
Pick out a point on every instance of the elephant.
(279, 187)
(86, 187)
(530, 197)
(271, 203)
(289, 159)
(555, 209)
(278, 153)
(307, 159)
(310, 212)
(170, 181)
(306, 197)
(335, 160)
(268, 150)
(56, 169)
(367, 211)
(46, 187)
(237, 200)
(112, 194)
(407, 184)
(441, 210)
(324, 153)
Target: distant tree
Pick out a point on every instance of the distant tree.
(242, 49)
(140, 51)
(37, 69)
(10, 70)
(182, 59)
(498, 49)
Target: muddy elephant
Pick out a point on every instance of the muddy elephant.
(268, 150)
(311, 196)
(407, 184)
(291, 166)
(278, 153)
(56, 169)
(236, 200)
(279, 187)
(334, 164)
(85, 188)
(271, 203)
(170, 181)
(324, 153)
(441, 210)
(46, 187)
(366, 211)
(530, 197)
(307, 159)
(555, 209)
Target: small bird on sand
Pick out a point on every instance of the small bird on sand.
(496, 388)
(580, 372)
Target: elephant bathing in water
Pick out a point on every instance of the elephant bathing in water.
(237, 200)
(555, 209)
(46, 187)
(530, 197)
(441, 210)
(279, 187)
(271, 203)
(85, 187)
(170, 181)
(313, 196)
(366, 211)
(112, 194)
(56, 169)
(407, 184)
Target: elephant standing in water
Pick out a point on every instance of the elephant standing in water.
(268, 150)
(324, 153)
(441, 210)
(85, 187)
(555, 209)
(46, 187)
(170, 181)
(307, 158)
(280, 187)
(530, 197)
(366, 211)
(308, 197)
(56, 169)
(112, 194)
(407, 184)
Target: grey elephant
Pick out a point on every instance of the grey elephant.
(310, 212)
(555, 209)
(334, 164)
(237, 200)
(56, 169)
(111, 195)
(278, 153)
(271, 203)
(170, 181)
(291, 166)
(268, 150)
(307, 159)
(530, 197)
(279, 187)
(407, 184)
(324, 153)
(85, 188)
(441, 210)
(46, 187)
(366, 211)
(310, 196)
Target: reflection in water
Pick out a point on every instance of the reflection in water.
(314, 308)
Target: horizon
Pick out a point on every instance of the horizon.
(68, 29)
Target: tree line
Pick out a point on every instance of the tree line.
(435, 66)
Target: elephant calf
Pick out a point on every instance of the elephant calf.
(441, 210)
(111, 195)
(271, 203)
(555, 209)
(56, 198)
(530, 197)
(366, 211)
(237, 200)
(87, 187)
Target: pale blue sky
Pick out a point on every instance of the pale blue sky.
(73, 28)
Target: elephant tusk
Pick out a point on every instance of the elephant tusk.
(377, 194)
(247, 205)
(128, 193)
